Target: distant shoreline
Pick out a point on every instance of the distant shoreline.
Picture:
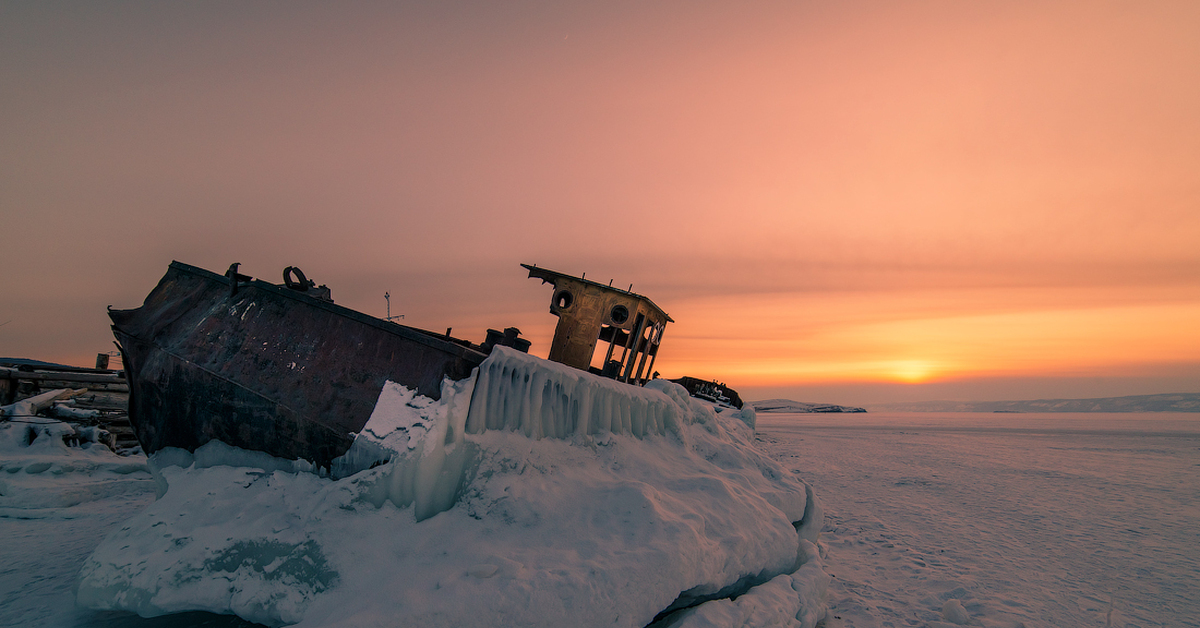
(1170, 402)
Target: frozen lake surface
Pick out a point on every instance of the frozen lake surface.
(1046, 519)
(43, 551)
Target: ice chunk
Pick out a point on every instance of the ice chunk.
(397, 426)
(41, 472)
(541, 399)
(534, 496)
(33, 405)
(954, 612)
(195, 550)
(814, 517)
(748, 416)
(68, 412)
(422, 442)
(795, 600)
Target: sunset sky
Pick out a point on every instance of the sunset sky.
(846, 202)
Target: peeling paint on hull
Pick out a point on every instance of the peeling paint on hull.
(266, 367)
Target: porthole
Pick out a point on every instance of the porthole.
(619, 314)
(563, 299)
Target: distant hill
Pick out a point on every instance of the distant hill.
(1174, 402)
(19, 362)
(787, 405)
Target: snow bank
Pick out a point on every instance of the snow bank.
(38, 470)
(535, 496)
(795, 600)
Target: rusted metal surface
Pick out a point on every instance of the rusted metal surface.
(265, 367)
(588, 312)
(710, 390)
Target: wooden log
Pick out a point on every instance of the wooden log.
(92, 386)
(78, 378)
(33, 405)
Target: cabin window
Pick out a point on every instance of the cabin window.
(619, 314)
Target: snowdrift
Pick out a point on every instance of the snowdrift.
(531, 494)
(34, 460)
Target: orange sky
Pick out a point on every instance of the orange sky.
(861, 201)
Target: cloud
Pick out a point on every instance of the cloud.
(801, 186)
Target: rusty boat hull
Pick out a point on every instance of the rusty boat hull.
(266, 367)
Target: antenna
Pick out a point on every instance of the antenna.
(388, 297)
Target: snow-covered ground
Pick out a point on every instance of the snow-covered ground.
(531, 494)
(1055, 520)
(56, 504)
(1050, 520)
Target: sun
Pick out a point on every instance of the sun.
(911, 371)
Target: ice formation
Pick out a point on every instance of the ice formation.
(539, 399)
(531, 494)
(795, 599)
(34, 456)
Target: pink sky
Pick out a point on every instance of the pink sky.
(837, 201)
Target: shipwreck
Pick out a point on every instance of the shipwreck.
(282, 369)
